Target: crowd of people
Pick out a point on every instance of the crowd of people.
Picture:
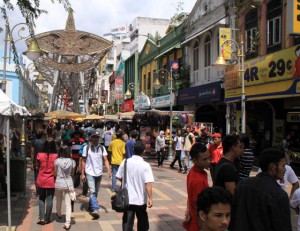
(67, 156)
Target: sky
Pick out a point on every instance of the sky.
(97, 16)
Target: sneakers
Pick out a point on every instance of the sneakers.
(95, 214)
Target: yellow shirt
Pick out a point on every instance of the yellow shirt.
(117, 148)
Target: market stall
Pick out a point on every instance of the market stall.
(8, 109)
(150, 122)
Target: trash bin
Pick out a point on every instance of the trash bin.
(18, 173)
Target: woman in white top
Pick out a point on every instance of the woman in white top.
(64, 168)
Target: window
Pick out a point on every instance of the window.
(196, 57)
(274, 31)
(144, 84)
(251, 34)
(149, 82)
(207, 51)
(274, 14)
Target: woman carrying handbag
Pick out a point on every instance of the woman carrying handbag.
(64, 168)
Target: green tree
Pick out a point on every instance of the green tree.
(30, 9)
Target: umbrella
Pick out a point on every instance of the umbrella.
(62, 114)
(93, 117)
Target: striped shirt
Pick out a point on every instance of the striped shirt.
(246, 163)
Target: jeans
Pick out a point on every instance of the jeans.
(59, 196)
(94, 185)
(45, 197)
(177, 158)
(142, 218)
(186, 160)
(115, 168)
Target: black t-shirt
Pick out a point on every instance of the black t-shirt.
(38, 146)
(225, 172)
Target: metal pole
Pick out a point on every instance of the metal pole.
(5, 57)
(8, 175)
(242, 71)
(170, 155)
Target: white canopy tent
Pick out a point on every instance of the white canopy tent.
(8, 109)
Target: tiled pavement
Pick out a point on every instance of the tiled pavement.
(166, 214)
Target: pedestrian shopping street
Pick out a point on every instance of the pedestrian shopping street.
(169, 193)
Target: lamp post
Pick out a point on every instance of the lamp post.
(33, 52)
(221, 64)
(156, 86)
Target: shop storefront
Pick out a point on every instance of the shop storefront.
(272, 96)
(207, 102)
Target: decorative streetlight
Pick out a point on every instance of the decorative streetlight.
(33, 52)
(39, 79)
(130, 88)
(220, 64)
(157, 85)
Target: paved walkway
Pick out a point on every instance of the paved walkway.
(166, 214)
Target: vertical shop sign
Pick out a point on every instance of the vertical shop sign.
(293, 14)
(224, 46)
(119, 88)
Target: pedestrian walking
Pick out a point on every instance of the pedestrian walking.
(93, 157)
(139, 184)
(130, 144)
(160, 147)
(189, 140)
(46, 180)
(214, 209)
(259, 203)
(64, 168)
(117, 149)
(216, 151)
(226, 174)
(178, 148)
(245, 162)
(196, 181)
(36, 147)
(107, 137)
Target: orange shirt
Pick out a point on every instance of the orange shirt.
(216, 153)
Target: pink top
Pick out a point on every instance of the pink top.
(46, 177)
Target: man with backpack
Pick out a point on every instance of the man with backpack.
(177, 147)
(93, 156)
(189, 140)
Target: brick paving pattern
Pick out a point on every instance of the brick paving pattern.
(169, 193)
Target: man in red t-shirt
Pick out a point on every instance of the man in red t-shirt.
(216, 152)
(196, 181)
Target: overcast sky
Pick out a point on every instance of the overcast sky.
(99, 16)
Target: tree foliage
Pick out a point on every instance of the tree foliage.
(30, 9)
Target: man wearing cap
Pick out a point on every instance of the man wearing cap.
(92, 168)
(216, 152)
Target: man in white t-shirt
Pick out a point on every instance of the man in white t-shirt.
(92, 166)
(139, 185)
(177, 147)
(289, 176)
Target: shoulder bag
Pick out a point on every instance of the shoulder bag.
(120, 201)
(72, 192)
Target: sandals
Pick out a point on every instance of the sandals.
(41, 222)
(67, 227)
